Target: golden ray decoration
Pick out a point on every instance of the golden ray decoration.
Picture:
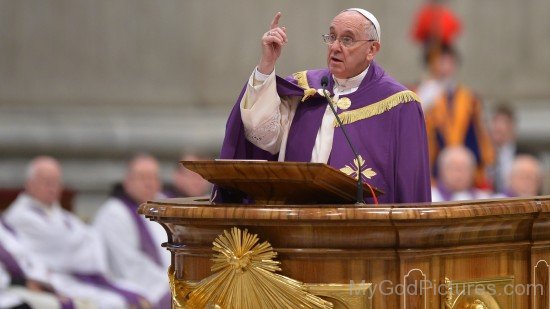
(354, 171)
(178, 288)
(244, 278)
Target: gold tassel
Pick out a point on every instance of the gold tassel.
(308, 93)
(377, 108)
(301, 79)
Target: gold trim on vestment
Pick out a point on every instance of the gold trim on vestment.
(378, 107)
(301, 79)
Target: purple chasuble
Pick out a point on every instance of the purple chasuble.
(392, 142)
(146, 242)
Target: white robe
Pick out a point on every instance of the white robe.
(7, 298)
(267, 117)
(65, 245)
(33, 269)
(474, 194)
(126, 260)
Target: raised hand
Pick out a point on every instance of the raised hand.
(272, 45)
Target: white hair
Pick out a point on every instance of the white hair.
(373, 27)
(33, 165)
(372, 34)
(448, 152)
(521, 160)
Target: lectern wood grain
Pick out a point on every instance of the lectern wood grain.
(493, 242)
(277, 183)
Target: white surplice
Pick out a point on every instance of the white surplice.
(65, 245)
(474, 194)
(126, 260)
(267, 117)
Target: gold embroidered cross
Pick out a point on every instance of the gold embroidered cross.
(354, 171)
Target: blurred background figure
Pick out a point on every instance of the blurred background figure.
(67, 246)
(133, 242)
(524, 177)
(186, 183)
(456, 178)
(503, 134)
(453, 112)
(456, 117)
(25, 279)
(435, 25)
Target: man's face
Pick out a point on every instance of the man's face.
(346, 62)
(526, 178)
(46, 184)
(445, 66)
(142, 182)
(457, 173)
(502, 129)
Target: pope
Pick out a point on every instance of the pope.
(288, 119)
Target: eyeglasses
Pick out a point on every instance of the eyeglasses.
(345, 41)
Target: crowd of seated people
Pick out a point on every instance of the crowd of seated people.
(514, 173)
(478, 155)
(49, 258)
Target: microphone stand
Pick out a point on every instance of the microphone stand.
(360, 200)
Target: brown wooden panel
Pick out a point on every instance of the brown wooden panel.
(482, 241)
(540, 289)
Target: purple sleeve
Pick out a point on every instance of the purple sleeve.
(412, 171)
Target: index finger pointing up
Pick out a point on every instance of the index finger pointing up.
(275, 22)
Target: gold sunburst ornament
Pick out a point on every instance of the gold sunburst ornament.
(244, 278)
(354, 171)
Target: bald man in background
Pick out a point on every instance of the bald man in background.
(457, 168)
(133, 242)
(524, 178)
(73, 251)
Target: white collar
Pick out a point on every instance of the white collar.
(36, 203)
(343, 84)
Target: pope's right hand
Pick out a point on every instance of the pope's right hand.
(272, 44)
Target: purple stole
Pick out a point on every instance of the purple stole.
(147, 245)
(392, 142)
(13, 268)
(100, 281)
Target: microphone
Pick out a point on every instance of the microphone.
(324, 83)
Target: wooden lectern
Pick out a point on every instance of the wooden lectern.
(471, 254)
